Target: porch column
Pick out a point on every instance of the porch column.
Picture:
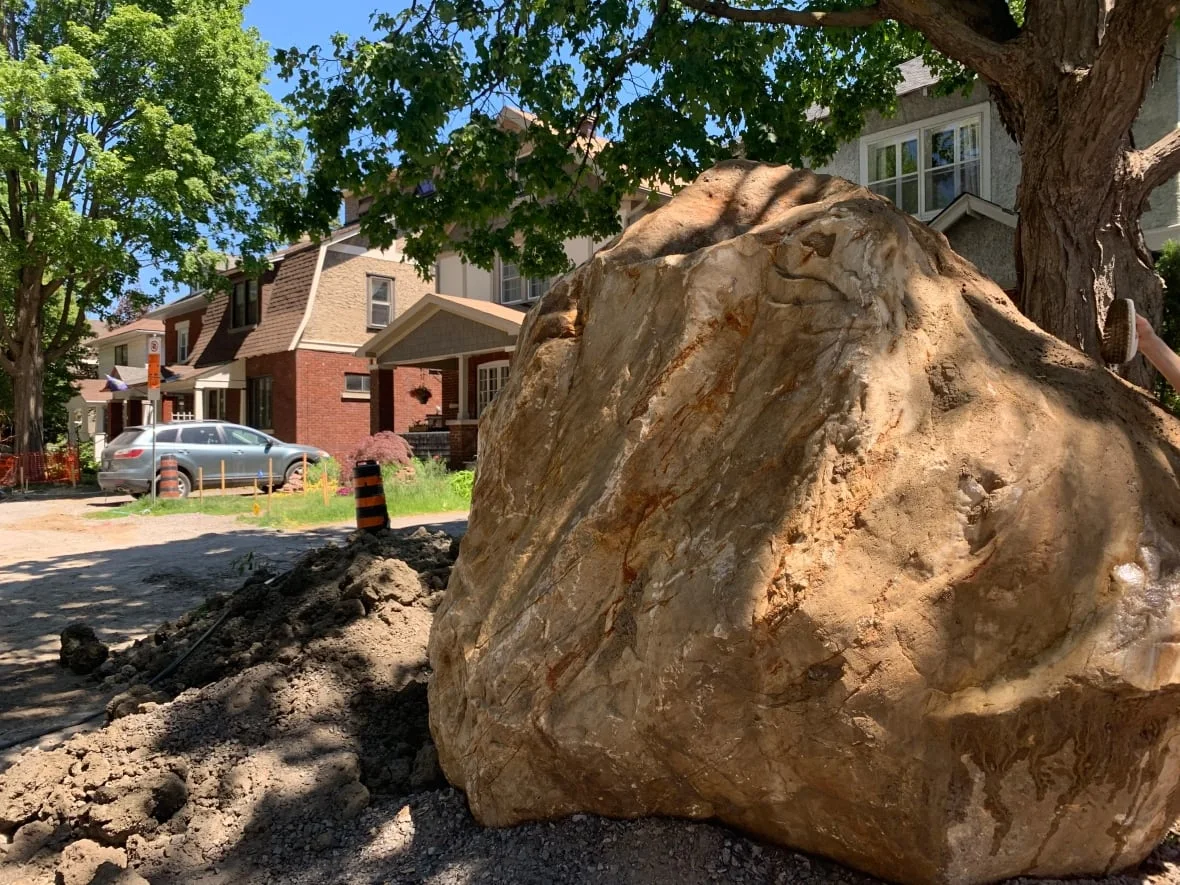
(464, 412)
(198, 404)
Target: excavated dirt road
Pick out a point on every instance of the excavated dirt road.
(123, 577)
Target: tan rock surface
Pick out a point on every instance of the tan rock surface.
(786, 517)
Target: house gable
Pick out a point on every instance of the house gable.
(445, 334)
(284, 296)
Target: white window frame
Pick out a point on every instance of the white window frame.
(365, 392)
(182, 336)
(528, 285)
(918, 128)
(483, 382)
(369, 300)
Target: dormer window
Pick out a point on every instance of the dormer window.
(244, 306)
(182, 341)
(380, 306)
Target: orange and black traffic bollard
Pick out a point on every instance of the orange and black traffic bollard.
(371, 514)
(169, 486)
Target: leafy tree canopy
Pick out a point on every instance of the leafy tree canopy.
(670, 88)
(132, 135)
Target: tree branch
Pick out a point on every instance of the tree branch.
(1156, 164)
(965, 32)
(803, 18)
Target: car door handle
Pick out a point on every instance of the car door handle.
(237, 451)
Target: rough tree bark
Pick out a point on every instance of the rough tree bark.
(1069, 85)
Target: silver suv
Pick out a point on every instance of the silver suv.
(245, 454)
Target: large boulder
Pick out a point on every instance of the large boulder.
(786, 517)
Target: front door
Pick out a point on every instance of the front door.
(249, 452)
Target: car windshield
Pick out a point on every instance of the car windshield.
(127, 437)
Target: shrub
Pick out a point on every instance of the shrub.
(386, 448)
(1168, 267)
(462, 482)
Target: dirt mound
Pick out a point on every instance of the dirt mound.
(306, 700)
(272, 616)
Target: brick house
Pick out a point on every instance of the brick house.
(466, 332)
(278, 352)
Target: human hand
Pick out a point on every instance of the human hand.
(1143, 328)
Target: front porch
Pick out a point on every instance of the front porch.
(469, 343)
(187, 393)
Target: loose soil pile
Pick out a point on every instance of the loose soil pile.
(292, 746)
(307, 700)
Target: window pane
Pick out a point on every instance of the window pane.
(356, 383)
(909, 156)
(969, 178)
(941, 148)
(537, 288)
(166, 436)
(379, 315)
(378, 290)
(884, 162)
(886, 189)
(200, 436)
(252, 302)
(909, 195)
(510, 289)
(242, 437)
(940, 189)
(969, 142)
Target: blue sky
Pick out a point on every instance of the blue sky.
(302, 23)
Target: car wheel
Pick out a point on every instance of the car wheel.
(293, 471)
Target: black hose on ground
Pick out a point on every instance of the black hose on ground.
(167, 671)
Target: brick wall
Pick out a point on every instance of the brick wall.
(281, 369)
(194, 319)
(406, 409)
(381, 402)
(450, 393)
(326, 417)
(233, 405)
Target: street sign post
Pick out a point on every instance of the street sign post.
(154, 348)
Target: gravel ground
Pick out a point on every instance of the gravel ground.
(123, 577)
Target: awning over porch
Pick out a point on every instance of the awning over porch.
(439, 329)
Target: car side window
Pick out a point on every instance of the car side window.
(167, 435)
(200, 436)
(240, 436)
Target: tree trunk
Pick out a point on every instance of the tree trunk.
(28, 383)
(1079, 245)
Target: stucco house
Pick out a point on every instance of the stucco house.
(276, 352)
(948, 161)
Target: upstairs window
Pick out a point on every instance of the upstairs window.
(923, 169)
(244, 307)
(121, 355)
(182, 341)
(515, 289)
(380, 302)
